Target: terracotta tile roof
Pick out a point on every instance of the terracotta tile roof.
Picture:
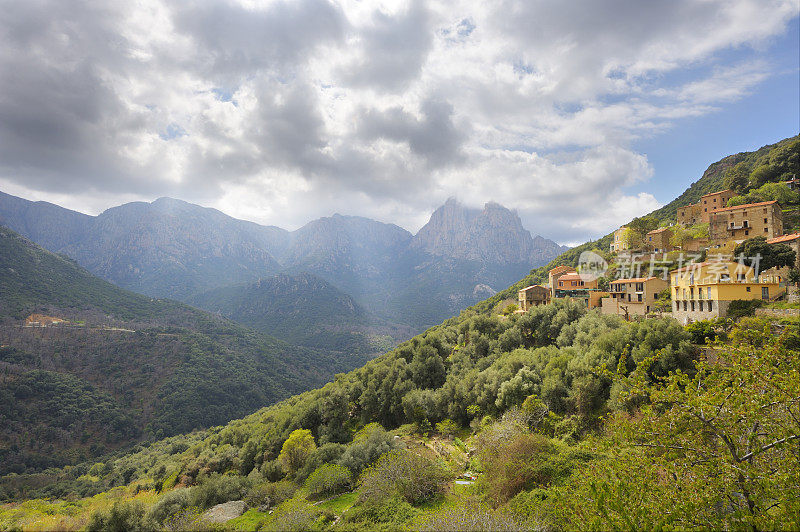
(745, 206)
(659, 230)
(533, 286)
(784, 238)
(575, 277)
(559, 269)
(714, 193)
(632, 280)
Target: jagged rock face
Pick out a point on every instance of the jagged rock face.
(494, 235)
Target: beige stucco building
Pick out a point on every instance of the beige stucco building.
(746, 221)
(532, 296)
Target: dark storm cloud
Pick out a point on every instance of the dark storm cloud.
(392, 49)
(434, 136)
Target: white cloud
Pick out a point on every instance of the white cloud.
(281, 111)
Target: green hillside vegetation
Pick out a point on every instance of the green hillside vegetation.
(574, 420)
(161, 366)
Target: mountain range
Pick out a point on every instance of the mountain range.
(171, 248)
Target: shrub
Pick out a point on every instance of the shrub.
(272, 470)
(325, 454)
(124, 516)
(368, 445)
(470, 517)
(270, 494)
(740, 308)
(294, 514)
(390, 513)
(447, 428)
(410, 476)
(701, 331)
(169, 504)
(218, 489)
(328, 479)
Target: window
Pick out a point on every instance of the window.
(746, 233)
(765, 292)
(709, 306)
(640, 297)
(748, 288)
(708, 292)
(766, 230)
(701, 306)
(692, 305)
(684, 305)
(765, 220)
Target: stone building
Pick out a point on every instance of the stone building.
(746, 221)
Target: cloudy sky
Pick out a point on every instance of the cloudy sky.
(579, 116)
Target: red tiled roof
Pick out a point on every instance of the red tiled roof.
(659, 230)
(559, 269)
(784, 238)
(574, 277)
(745, 206)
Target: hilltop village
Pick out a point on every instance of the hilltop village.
(716, 255)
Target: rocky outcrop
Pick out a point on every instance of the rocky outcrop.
(493, 235)
(222, 513)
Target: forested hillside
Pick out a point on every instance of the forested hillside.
(124, 367)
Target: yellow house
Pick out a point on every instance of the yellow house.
(619, 243)
(705, 290)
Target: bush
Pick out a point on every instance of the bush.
(218, 489)
(328, 479)
(124, 516)
(294, 514)
(325, 454)
(368, 445)
(470, 517)
(412, 477)
(272, 470)
(387, 514)
(447, 428)
(739, 308)
(702, 331)
(270, 494)
(169, 504)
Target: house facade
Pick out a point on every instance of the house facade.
(657, 240)
(553, 276)
(532, 296)
(619, 243)
(705, 290)
(700, 212)
(746, 221)
(580, 288)
(633, 297)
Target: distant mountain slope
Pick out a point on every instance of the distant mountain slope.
(304, 310)
(170, 248)
(51, 226)
(164, 366)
